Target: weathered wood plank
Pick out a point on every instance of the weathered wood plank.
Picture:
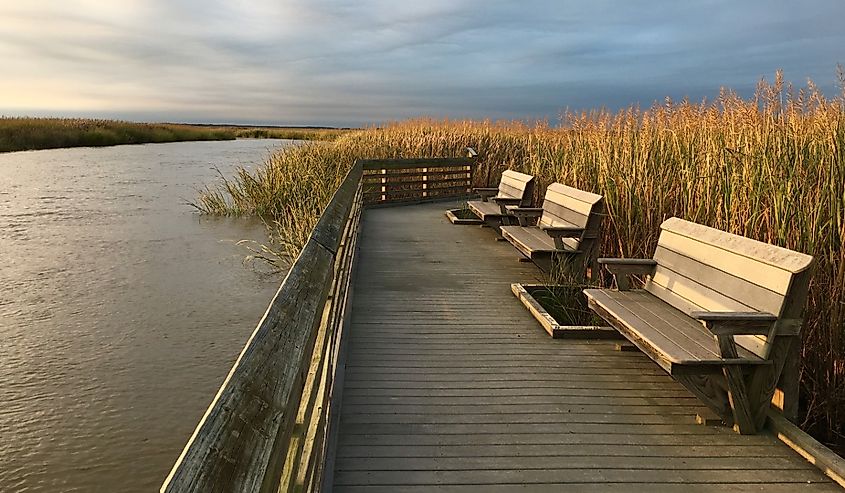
(575, 476)
(561, 439)
(443, 162)
(775, 256)
(736, 451)
(531, 428)
(602, 487)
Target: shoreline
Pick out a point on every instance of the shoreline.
(33, 134)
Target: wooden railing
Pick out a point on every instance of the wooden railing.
(270, 426)
(417, 180)
(267, 426)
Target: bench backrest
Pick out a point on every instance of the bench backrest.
(567, 206)
(517, 185)
(702, 268)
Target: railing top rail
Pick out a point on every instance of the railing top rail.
(371, 164)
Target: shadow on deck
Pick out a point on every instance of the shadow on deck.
(450, 384)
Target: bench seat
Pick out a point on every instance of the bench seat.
(566, 233)
(674, 340)
(515, 189)
(533, 242)
(486, 211)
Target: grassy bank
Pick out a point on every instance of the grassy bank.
(22, 134)
(293, 133)
(771, 167)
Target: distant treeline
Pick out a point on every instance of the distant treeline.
(22, 134)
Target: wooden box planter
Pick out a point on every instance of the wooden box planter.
(462, 216)
(562, 311)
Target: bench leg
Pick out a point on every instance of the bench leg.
(741, 405)
(789, 359)
(495, 223)
(544, 263)
(765, 380)
(709, 388)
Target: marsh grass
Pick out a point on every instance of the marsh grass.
(771, 167)
(566, 304)
(292, 133)
(22, 134)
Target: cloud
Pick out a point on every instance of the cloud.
(353, 62)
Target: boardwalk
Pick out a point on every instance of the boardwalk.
(450, 384)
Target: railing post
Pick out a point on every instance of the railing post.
(425, 182)
(384, 185)
(472, 155)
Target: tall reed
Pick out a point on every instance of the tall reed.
(771, 167)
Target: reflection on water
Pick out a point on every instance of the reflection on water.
(121, 310)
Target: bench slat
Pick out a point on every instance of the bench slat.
(775, 256)
(759, 273)
(517, 185)
(554, 212)
(697, 294)
(516, 176)
(671, 338)
(531, 240)
(560, 194)
(506, 190)
(484, 210)
(752, 295)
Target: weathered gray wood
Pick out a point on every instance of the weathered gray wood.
(621, 268)
(404, 163)
(567, 230)
(387, 181)
(486, 211)
(831, 464)
(604, 487)
(708, 284)
(242, 440)
(656, 328)
(515, 189)
(450, 384)
(573, 476)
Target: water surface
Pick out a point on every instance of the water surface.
(121, 310)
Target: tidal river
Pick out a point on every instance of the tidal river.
(121, 309)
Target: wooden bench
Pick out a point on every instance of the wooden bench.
(720, 312)
(567, 229)
(515, 189)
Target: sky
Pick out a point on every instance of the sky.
(358, 62)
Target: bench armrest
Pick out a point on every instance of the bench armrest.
(621, 268)
(563, 231)
(524, 214)
(486, 193)
(736, 323)
(558, 233)
(506, 200)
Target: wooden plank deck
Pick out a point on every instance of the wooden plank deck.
(450, 385)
